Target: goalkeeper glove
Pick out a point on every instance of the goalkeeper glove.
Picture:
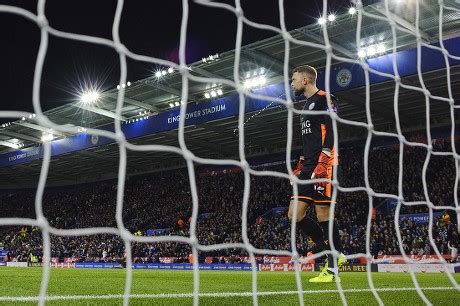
(321, 168)
(298, 168)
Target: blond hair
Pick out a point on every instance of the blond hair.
(307, 70)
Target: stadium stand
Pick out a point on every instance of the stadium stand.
(160, 203)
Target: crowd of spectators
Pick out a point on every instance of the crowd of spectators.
(164, 201)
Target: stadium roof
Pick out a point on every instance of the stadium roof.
(265, 132)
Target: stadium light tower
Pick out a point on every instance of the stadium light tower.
(89, 97)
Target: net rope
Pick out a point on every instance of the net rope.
(123, 145)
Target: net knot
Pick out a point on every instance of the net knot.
(125, 234)
(183, 69)
(42, 21)
(286, 36)
(194, 242)
(289, 105)
(120, 137)
(188, 155)
(239, 12)
(43, 222)
(244, 165)
(120, 48)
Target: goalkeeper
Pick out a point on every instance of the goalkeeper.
(317, 162)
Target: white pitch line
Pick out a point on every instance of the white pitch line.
(211, 294)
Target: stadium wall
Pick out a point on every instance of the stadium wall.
(393, 268)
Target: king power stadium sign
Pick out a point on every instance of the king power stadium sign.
(423, 218)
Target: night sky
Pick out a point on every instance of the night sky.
(148, 27)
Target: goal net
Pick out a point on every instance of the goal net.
(403, 19)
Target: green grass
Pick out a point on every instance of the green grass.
(26, 282)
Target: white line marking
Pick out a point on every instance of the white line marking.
(211, 294)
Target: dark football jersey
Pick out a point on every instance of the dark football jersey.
(317, 131)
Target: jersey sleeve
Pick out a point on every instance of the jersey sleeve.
(328, 142)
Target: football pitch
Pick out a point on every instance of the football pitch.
(20, 286)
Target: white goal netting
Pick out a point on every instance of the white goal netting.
(46, 30)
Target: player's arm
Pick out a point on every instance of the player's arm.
(328, 143)
(325, 157)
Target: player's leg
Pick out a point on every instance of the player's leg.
(300, 212)
(322, 213)
(306, 224)
(330, 271)
(310, 227)
(322, 208)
